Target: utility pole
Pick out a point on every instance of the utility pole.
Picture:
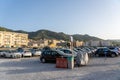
(71, 40)
(71, 58)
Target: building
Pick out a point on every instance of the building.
(54, 43)
(78, 43)
(106, 43)
(13, 39)
(38, 43)
(42, 43)
(94, 43)
(98, 43)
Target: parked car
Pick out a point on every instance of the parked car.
(106, 52)
(116, 49)
(26, 53)
(2, 53)
(68, 51)
(12, 54)
(35, 52)
(51, 55)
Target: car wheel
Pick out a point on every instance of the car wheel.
(22, 55)
(43, 60)
(113, 55)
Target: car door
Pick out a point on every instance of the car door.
(54, 55)
(106, 51)
(99, 52)
(48, 55)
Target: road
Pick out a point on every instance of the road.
(32, 69)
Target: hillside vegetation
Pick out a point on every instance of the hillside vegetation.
(47, 34)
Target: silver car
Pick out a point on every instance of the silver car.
(12, 54)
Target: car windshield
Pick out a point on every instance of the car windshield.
(62, 53)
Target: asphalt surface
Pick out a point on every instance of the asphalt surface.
(32, 69)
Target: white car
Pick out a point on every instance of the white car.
(36, 52)
(12, 54)
(26, 54)
(2, 52)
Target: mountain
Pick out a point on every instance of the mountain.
(47, 34)
(21, 31)
(4, 29)
(85, 37)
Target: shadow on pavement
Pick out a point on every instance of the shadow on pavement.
(28, 66)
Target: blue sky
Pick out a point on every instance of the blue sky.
(100, 18)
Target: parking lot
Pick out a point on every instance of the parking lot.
(32, 69)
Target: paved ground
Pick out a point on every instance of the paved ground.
(32, 69)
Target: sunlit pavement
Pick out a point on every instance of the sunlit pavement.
(32, 69)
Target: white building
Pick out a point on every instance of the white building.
(98, 43)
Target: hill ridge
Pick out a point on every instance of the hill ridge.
(47, 34)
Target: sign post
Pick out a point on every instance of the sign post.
(71, 58)
(71, 40)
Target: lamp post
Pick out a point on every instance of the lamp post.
(71, 58)
(71, 40)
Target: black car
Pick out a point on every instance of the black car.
(51, 55)
(105, 52)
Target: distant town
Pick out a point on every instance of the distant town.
(15, 39)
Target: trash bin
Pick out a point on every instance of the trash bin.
(70, 60)
(61, 63)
